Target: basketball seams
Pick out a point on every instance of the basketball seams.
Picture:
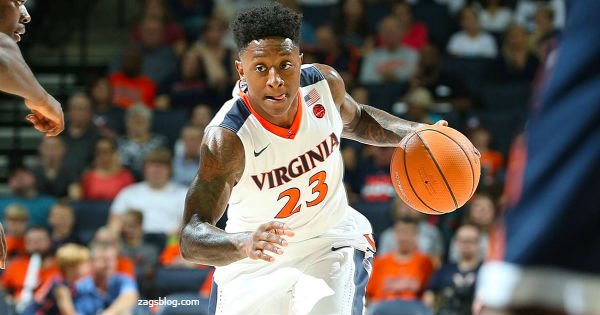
(437, 166)
(463, 151)
(408, 175)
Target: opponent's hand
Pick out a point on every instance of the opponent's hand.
(2, 248)
(268, 237)
(46, 116)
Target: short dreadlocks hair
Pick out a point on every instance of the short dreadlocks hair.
(273, 20)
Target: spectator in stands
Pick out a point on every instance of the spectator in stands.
(191, 14)
(491, 160)
(544, 29)
(416, 35)
(106, 290)
(202, 114)
(128, 83)
(443, 86)
(133, 246)
(481, 212)
(80, 134)
(451, 289)
(160, 199)
(53, 175)
(62, 223)
(429, 238)
(471, 41)
(109, 119)
(185, 162)
(526, 10)
(494, 17)
(516, 62)
(373, 182)
(420, 106)
(217, 59)
(138, 140)
(351, 25)
(15, 223)
(23, 191)
(24, 275)
(173, 34)
(191, 88)
(403, 274)
(331, 51)
(392, 62)
(159, 60)
(59, 295)
(106, 237)
(107, 176)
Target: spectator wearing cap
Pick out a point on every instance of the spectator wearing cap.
(138, 140)
(157, 197)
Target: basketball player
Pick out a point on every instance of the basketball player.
(551, 263)
(292, 245)
(16, 78)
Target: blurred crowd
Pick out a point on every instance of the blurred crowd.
(97, 216)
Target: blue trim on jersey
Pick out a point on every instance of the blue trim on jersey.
(310, 75)
(361, 278)
(235, 118)
(212, 301)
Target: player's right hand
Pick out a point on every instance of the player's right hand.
(46, 116)
(268, 237)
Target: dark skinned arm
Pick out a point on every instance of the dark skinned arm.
(364, 123)
(221, 166)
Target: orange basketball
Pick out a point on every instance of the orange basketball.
(435, 170)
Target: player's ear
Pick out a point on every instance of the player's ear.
(239, 68)
(301, 58)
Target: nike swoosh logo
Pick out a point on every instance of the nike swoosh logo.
(256, 154)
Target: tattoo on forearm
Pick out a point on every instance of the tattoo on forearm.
(376, 127)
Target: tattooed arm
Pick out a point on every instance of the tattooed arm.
(365, 123)
(221, 167)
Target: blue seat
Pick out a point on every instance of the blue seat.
(179, 280)
(169, 123)
(399, 307)
(470, 70)
(159, 240)
(89, 216)
(378, 213)
(200, 306)
(384, 95)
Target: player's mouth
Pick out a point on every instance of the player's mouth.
(18, 33)
(276, 98)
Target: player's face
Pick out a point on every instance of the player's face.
(271, 68)
(13, 17)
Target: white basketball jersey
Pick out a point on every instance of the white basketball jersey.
(293, 175)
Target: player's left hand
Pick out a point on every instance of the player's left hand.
(46, 116)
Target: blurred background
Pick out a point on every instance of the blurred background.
(140, 79)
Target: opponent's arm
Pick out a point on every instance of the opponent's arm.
(365, 123)
(221, 167)
(16, 78)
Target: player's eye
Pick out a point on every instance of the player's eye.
(286, 66)
(261, 68)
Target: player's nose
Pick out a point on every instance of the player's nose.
(25, 17)
(275, 79)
